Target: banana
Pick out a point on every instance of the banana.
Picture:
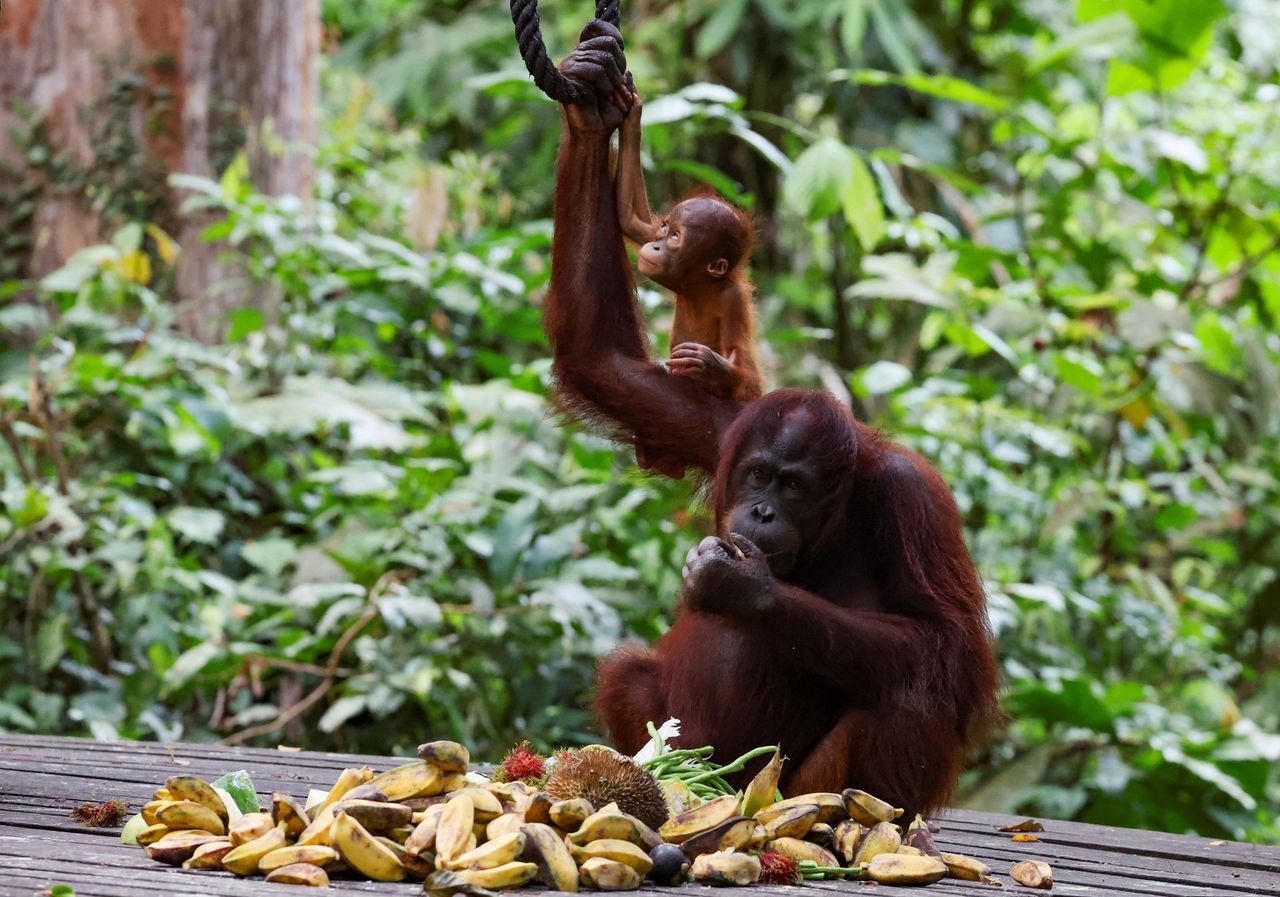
(831, 807)
(197, 790)
(963, 867)
(152, 833)
(375, 816)
(568, 815)
(244, 859)
(151, 808)
(1032, 874)
(705, 816)
(320, 831)
(759, 837)
(315, 854)
(508, 875)
(363, 852)
(452, 781)
(367, 791)
(288, 811)
(845, 839)
(209, 856)
(919, 836)
(608, 875)
(486, 803)
(300, 874)
(910, 851)
(446, 756)
(867, 808)
(538, 809)
(187, 814)
(545, 849)
(732, 834)
(248, 827)
(162, 794)
(506, 849)
(454, 829)
(801, 851)
(726, 868)
(882, 838)
(176, 848)
(793, 822)
(416, 867)
(424, 833)
(821, 834)
(503, 825)
(416, 779)
(443, 883)
(400, 833)
(763, 789)
(900, 869)
(608, 823)
(616, 850)
(349, 778)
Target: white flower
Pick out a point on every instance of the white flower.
(658, 744)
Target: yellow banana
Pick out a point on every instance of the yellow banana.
(320, 831)
(485, 803)
(883, 837)
(793, 822)
(187, 814)
(416, 779)
(900, 869)
(244, 859)
(506, 849)
(831, 807)
(616, 850)
(608, 875)
(424, 833)
(1032, 874)
(763, 789)
(454, 829)
(846, 838)
(288, 811)
(702, 817)
(197, 790)
(151, 808)
(349, 778)
(176, 848)
(209, 856)
(503, 825)
(568, 815)
(414, 866)
(300, 874)
(509, 875)
(363, 852)
(728, 867)
(546, 849)
(447, 756)
(803, 850)
(152, 833)
(867, 808)
(248, 827)
(732, 834)
(538, 809)
(452, 781)
(608, 823)
(314, 854)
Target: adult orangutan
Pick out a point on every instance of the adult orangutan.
(838, 613)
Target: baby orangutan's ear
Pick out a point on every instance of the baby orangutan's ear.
(718, 268)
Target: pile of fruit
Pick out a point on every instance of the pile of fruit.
(598, 820)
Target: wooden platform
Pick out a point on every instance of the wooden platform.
(42, 778)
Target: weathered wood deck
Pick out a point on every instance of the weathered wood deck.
(42, 778)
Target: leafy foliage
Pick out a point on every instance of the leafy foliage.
(1035, 241)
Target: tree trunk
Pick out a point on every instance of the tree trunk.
(126, 91)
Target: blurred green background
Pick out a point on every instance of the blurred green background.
(1037, 241)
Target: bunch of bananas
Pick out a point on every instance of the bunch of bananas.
(430, 821)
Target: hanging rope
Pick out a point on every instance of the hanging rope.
(524, 13)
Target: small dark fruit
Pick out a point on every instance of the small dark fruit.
(670, 865)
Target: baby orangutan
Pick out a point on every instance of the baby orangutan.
(699, 251)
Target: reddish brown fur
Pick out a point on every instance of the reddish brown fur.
(874, 668)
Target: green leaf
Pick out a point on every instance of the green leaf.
(881, 378)
(51, 641)
(202, 525)
(720, 26)
(853, 26)
(244, 321)
(1084, 374)
(342, 710)
(820, 178)
(861, 205)
(240, 787)
(271, 556)
(944, 87)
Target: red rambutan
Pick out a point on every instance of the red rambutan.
(522, 764)
(776, 869)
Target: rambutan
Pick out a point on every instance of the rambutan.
(110, 813)
(777, 869)
(522, 764)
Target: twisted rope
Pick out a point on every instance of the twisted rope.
(524, 13)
